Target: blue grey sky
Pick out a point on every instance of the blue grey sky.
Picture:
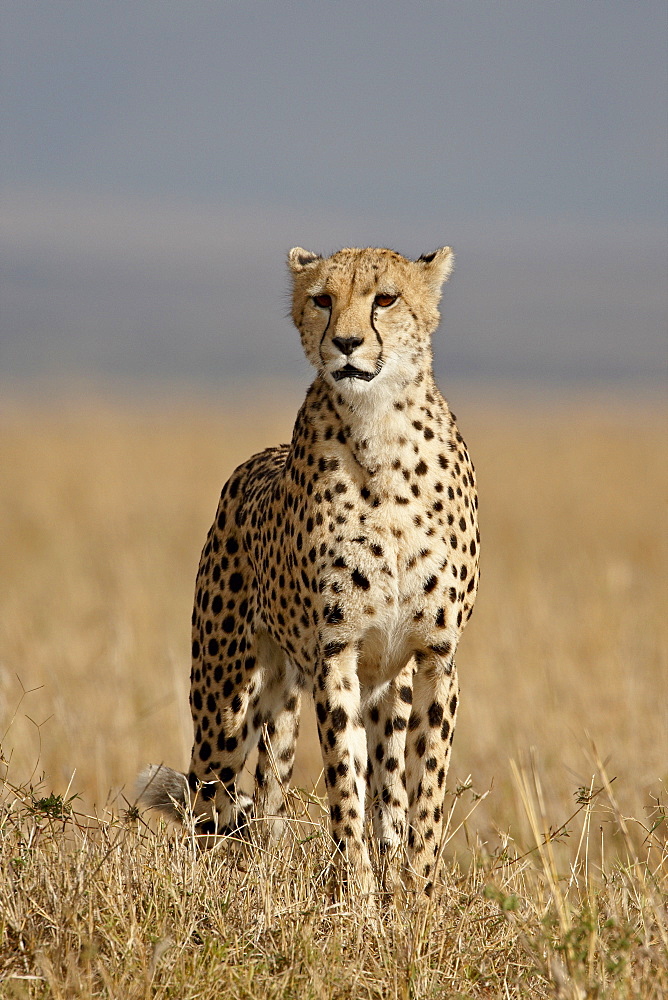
(159, 159)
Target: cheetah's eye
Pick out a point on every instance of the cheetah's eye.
(323, 301)
(384, 300)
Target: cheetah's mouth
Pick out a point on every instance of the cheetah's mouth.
(349, 371)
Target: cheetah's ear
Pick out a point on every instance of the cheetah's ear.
(299, 259)
(437, 266)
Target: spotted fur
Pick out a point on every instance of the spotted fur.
(345, 562)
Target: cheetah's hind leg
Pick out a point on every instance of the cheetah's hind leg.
(278, 710)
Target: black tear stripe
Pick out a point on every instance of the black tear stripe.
(373, 327)
(324, 333)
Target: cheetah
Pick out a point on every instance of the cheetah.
(345, 562)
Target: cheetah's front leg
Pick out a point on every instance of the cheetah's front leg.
(343, 744)
(430, 730)
(386, 721)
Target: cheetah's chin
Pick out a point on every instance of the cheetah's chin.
(348, 371)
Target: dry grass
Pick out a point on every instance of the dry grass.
(103, 510)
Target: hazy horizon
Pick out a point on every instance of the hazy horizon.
(159, 161)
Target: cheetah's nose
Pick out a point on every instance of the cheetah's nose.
(347, 344)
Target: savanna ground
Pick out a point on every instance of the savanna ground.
(554, 864)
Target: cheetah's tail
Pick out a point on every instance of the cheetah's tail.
(160, 788)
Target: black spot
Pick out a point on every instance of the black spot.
(236, 582)
(430, 584)
(228, 624)
(440, 618)
(435, 714)
(333, 614)
(208, 790)
(406, 694)
(195, 649)
(232, 545)
(441, 649)
(205, 750)
(339, 719)
(217, 604)
(360, 580)
(226, 775)
(334, 648)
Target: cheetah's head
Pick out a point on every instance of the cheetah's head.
(367, 315)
